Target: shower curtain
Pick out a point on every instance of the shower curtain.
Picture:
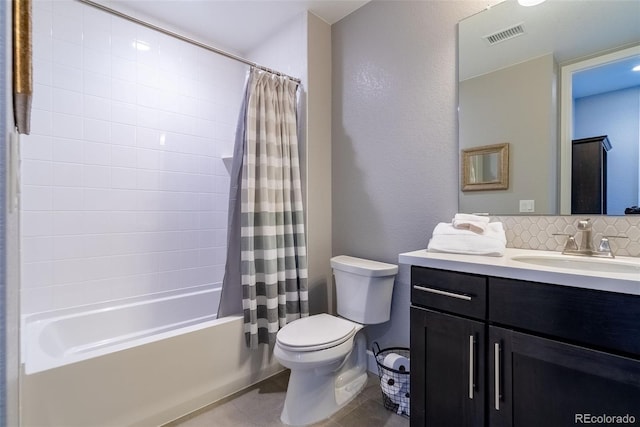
(266, 250)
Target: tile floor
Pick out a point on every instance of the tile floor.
(261, 404)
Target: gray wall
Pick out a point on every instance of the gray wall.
(9, 227)
(394, 134)
(4, 55)
(9, 319)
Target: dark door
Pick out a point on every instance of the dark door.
(589, 175)
(537, 382)
(447, 386)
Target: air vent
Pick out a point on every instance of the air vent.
(503, 35)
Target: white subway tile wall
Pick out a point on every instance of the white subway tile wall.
(123, 190)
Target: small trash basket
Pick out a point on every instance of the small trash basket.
(394, 382)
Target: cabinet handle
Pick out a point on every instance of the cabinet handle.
(445, 293)
(496, 376)
(471, 365)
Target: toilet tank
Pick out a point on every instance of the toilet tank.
(363, 288)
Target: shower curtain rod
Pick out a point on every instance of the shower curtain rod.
(185, 39)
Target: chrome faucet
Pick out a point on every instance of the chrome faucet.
(584, 227)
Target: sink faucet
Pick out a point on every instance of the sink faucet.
(586, 245)
(584, 226)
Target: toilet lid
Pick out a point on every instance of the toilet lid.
(316, 332)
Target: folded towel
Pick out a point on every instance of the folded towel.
(447, 238)
(471, 217)
(493, 230)
(465, 245)
(475, 223)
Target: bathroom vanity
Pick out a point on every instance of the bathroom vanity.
(499, 342)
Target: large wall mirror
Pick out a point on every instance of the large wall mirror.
(512, 63)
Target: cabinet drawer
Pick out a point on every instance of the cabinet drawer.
(458, 293)
(599, 319)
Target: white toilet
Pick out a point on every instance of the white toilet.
(327, 354)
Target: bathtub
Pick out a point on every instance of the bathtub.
(59, 338)
(142, 361)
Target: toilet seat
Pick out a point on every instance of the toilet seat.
(316, 332)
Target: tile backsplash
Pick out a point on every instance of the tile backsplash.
(536, 232)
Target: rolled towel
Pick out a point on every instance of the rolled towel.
(476, 223)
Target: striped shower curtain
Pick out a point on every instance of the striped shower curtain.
(273, 258)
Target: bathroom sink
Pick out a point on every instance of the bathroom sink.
(602, 265)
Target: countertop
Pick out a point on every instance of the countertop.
(505, 266)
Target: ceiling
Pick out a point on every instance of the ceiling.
(569, 29)
(238, 26)
(607, 78)
(233, 25)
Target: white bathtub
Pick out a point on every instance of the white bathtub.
(58, 338)
(144, 361)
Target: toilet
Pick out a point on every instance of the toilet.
(327, 354)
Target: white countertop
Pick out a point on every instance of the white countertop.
(505, 266)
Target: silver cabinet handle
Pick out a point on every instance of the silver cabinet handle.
(471, 365)
(445, 293)
(496, 376)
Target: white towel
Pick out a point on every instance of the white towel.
(494, 230)
(447, 238)
(476, 223)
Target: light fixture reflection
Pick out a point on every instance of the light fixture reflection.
(140, 45)
(528, 3)
(636, 68)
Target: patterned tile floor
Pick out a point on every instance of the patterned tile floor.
(261, 404)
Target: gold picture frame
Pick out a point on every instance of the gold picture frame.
(22, 65)
(485, 168)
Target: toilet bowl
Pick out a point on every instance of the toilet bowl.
(322, 380)
(327, 354)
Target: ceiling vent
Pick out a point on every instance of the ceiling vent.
(506, 34)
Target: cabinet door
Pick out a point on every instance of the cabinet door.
(447, 370)
(540, 382)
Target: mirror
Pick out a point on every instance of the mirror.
(614, 112)
(485, 168)
(510, 62)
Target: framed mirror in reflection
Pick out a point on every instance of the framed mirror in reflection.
(511, 59)
(485, 168)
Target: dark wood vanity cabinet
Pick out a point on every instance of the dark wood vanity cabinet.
(537, 382)
(451, 350)
(537, 355)
(448, 339)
